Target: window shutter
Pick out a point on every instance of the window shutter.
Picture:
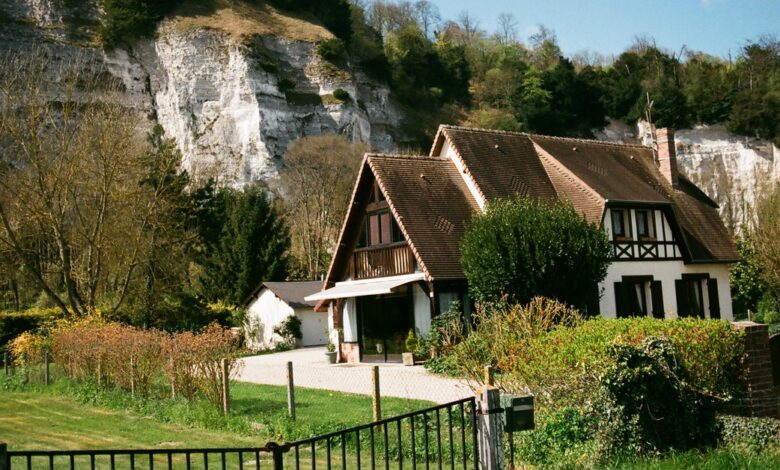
(712, 293)
(373, 230)
(683, 307)
(658, 299)
(621, 300)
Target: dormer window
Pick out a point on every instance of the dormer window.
(644, 224)
(620, 224)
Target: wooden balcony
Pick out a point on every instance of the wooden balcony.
(382, 261)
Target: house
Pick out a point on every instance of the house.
(272, 303)
(397, 264)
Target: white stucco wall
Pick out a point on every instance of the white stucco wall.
(422, 310)
(267, 311)
(666, 272)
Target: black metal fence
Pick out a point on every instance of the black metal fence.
(442, 436)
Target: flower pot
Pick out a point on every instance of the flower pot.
(407, 358)
(330, 356)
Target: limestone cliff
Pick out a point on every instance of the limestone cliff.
(732, 170)
(234, 84)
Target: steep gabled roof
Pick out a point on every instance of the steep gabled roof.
(432, 206)
(591, 174)
(430, 203)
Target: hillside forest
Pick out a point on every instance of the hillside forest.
(137, 240)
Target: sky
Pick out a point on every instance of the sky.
(716, 27)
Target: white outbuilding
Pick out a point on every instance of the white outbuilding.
(272, 303)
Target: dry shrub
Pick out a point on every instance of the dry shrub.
(29, 348)
(500, 334)
(193, 363)
(122, 356)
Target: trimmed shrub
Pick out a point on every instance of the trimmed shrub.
(647, 405)
(564, 367)
(521, 248)
(566, 431)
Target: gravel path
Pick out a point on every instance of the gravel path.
(311, 370)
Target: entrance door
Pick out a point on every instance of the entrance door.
(384, 321)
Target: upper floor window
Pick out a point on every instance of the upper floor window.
(620, 227)
(379, 228)
(644, 224)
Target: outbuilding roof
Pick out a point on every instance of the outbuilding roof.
(291, 292)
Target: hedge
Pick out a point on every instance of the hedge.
(563, 367)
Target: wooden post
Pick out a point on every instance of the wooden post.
(173, 379)
(491, 428)
(5, 362)
(490, 379)
(47, 369)
(290, 391)
(5, 463)
(225, 387)
(132, 376)
(376, 395)
(100, 372)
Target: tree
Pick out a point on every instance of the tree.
(317, 177)
(246, 243)
(507, 28)
(767, 233)
(521, 248)
(72, 211)
(747, 285)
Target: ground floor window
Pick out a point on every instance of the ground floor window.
(696, 294)
(639, 296)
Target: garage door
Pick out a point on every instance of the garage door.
(313, 326)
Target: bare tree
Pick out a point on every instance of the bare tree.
(72, 211)
(427, 15)
(507, 28)
(469, 24)
(317, 178)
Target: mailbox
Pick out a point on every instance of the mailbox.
(518, 412)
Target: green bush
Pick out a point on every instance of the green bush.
(13, 323)
(289, 329)
(521, 248)
(566, 431)
(563, 367)
(341, 94)
(128, 19)
(332, 50)
(647, 404)
(741, 430)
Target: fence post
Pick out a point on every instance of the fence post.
(290, 391)
(132, 376)
(46, 370)
(276, 453)
(5, 463)
(173, 379)
(5, 362)
(490, 425)
(225, 386)
(375, 394)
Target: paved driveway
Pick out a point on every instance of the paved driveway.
(311, 370)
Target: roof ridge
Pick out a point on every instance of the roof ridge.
(409, 157)
(531, 136)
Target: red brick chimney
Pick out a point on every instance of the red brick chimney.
(667, 156)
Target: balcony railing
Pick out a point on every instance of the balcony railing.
(381, 261)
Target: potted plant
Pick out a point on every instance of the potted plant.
(412, 343)
(330, 352)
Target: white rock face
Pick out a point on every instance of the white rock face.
(732, 170)
(232, 114)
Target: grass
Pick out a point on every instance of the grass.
(257, 411)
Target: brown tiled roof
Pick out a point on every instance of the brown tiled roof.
(432, 206)
(501, 163)
(591, 174)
